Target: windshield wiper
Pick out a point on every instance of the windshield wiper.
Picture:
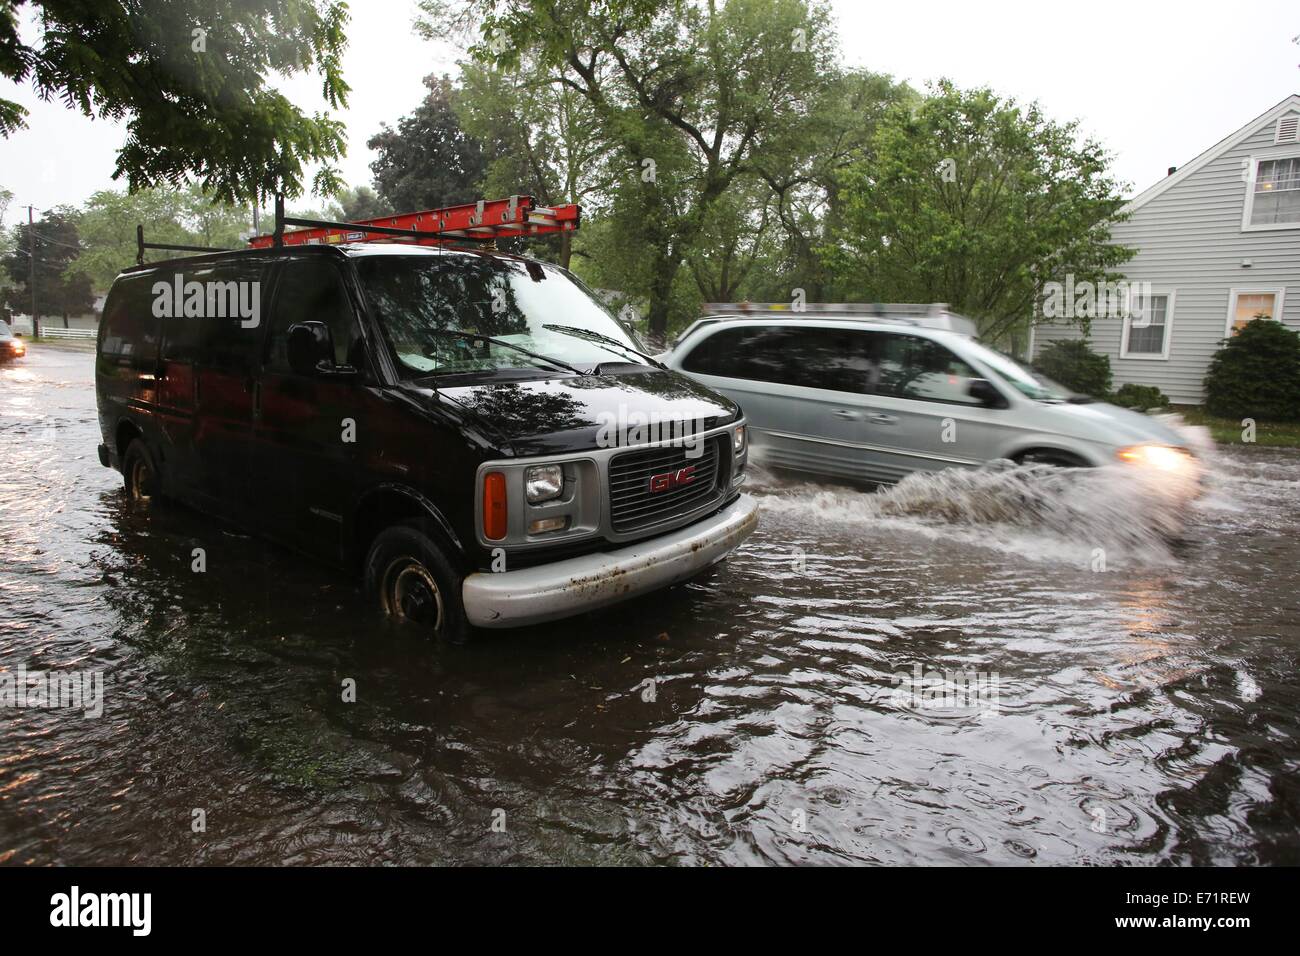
(509, 345)
(601, 337)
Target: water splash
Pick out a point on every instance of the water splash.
(1074, 515)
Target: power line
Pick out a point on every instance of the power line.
(66, 245)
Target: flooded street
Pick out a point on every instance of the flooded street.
(1119, 699)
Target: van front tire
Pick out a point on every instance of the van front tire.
(409, 576)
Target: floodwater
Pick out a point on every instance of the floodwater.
(974, 668)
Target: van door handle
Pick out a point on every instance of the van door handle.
(846, 413)
(881, 419)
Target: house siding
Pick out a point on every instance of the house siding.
(1190, 242)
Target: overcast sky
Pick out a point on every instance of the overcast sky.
(1157, 83)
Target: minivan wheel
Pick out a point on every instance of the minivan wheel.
(408, 574)
(139, 474)
(1051, 456)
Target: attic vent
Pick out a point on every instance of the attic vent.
(1288, 129)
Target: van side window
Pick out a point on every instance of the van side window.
(312, 290)
(215, 320)
(917, 368)
(129, 334)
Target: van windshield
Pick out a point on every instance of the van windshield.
(461, 314)
(1019, 376)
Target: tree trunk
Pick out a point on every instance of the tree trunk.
(661, 288)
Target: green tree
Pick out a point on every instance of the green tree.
(975, 201)
(429, 160)
(189, 77)
(803, 174)
(689, 91)
(361, 202)
(739, 235)
(60, 289)
(545, 139)
(107, 224)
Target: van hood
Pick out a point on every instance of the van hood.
(1110, 424)
(578, 413)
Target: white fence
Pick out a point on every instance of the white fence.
(53, 333)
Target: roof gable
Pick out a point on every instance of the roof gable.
(1185, 171)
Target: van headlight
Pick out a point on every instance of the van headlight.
(543, 483)
(738, 440)
(1158, 457)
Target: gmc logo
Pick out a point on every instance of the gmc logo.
(672, 479)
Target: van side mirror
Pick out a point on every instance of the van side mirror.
(311, 351)
(988, 396)
(309, 344)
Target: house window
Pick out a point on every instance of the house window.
(1247, 304)
(1273, 201)
(1146, 329)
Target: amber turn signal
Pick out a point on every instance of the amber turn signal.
(494, 506)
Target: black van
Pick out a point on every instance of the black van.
(470, 430)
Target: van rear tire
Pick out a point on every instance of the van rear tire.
(140, 477)
(409, 577)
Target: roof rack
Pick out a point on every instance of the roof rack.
(823, 310)
(932, 315)
(141, 246)
(481, 221)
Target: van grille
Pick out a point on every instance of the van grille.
(633, 505)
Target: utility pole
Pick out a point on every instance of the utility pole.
(31, 264)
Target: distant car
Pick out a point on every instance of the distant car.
(877, 399)
(11, 347)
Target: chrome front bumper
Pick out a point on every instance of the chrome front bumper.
(564, 588)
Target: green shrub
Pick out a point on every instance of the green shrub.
(1256, 374)
(1076, 366)
(1140, 397)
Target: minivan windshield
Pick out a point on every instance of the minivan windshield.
(460, 314)
(1019, 376)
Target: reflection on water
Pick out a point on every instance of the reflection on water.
(1147, 713)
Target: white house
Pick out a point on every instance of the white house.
(1218, 242)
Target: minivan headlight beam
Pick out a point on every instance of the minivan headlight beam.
(1158, 457)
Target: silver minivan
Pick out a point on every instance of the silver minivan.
(875, 399)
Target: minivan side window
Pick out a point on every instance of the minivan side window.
(922, 369)
(754, 353)
(830, 358)
(808, 356)
(129, 331)
(312, 290)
